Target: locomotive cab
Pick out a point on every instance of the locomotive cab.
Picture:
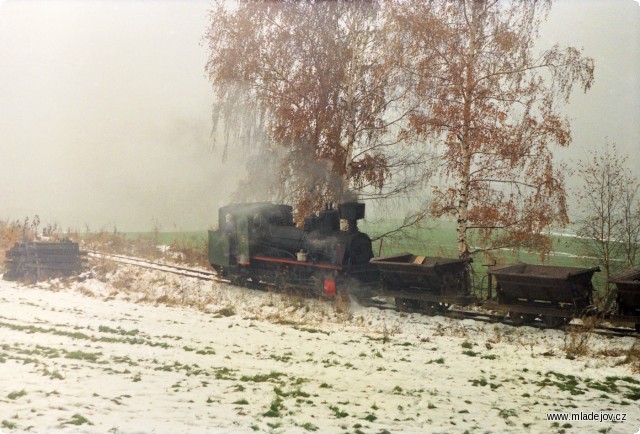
(230, 245)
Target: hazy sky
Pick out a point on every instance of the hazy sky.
(608, 31)
(105, 115)
(105, 109)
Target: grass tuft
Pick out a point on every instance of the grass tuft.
(77, 419)
(16, 394)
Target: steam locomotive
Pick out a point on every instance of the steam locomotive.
(259, 244)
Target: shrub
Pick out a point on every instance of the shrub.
(576, 343)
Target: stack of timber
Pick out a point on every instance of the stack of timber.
(44, 260)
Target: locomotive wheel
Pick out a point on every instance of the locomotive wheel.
(552, 321)
(519, 318)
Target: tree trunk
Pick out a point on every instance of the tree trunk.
(352, 77)
(351, 136)
(465, 170)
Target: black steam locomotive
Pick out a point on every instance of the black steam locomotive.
(260, 243)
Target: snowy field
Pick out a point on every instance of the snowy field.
(145, 352)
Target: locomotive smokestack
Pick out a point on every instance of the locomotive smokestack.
(351, 212)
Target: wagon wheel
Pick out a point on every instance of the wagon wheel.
(443, 308)
(433, 308)
(407, 305)
(519, 318)
(429, 308)
(552, 321)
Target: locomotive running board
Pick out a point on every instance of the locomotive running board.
(298, 263)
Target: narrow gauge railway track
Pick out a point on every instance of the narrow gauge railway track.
(459, 314)
(494, 318)
(159, 266)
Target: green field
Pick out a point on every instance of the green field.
(436, 239)
(168, 238)
(439, 239)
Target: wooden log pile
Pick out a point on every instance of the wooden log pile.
(44, 260)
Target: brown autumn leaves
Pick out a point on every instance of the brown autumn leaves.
(386, 98)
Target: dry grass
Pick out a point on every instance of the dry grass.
(103, 269)
(185, 250)
(343, 304)
(12, 232)
(191, 251)
(131, 283)
(115, 242)
(577, 342)
(86, 291)
(632, 357)
(390, 331)
(611, 352)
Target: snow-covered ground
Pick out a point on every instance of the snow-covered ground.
(140, 351)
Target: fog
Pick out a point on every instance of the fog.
(608, 31)
(105, 116)
(105, 112)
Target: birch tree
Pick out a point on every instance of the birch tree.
(629, 234)
(492, 105)
(314, 77)
(610, 210)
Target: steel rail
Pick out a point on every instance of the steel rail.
(159, 266)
